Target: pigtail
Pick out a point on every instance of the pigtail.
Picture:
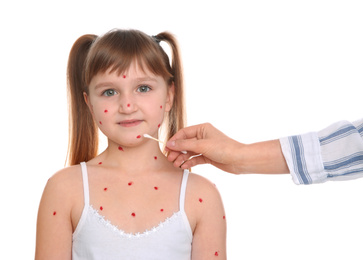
(83, 132)
(177, 117)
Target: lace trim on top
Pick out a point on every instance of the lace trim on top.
(123, 234)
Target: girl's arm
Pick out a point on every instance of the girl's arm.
(209, 238)
(54, 225)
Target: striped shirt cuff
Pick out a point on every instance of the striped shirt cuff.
(303, 157)
(342, 150)
(334, 153)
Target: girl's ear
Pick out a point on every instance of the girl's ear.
(86, 99)
(170, 97)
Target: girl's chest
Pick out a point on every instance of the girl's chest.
(134, 204)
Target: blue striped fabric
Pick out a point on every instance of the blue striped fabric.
(360, 129)
(340, 133)
(334, 153)
(349, 159)
(297, 152)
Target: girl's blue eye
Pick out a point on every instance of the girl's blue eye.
(109, 93)
(144, 89)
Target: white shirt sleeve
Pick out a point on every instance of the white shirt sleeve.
(334, 153)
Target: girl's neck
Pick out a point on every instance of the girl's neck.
(146, 157)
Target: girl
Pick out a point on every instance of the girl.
(129, 202)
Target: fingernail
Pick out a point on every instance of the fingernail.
(170, 144)
(181, 164)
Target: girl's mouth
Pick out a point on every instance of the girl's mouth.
(130, 123)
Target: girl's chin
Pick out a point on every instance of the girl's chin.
(132, 141)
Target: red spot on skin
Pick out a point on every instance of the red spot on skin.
(54, 213)
(106, 111)
(159, 125)
(100, 163)
(216, 253)
(224, 217)
(130, 183)
(200, 200)
(124, 76)
(139, 136)
(161, 107)
(105, 189)
(155, 157)
(128, 105)
(101, 208)
(156, 188)
(133, 214)
(120, 148)
(100, 123)
(162, 210)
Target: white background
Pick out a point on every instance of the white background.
(257, 70)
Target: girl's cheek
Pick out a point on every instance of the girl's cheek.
(101, 116)
(161, 115)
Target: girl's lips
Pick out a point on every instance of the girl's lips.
(130, 123)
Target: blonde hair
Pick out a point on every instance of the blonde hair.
(116, 50)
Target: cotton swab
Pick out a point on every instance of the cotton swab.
(191, 157)
(153, 138)
(150, 137)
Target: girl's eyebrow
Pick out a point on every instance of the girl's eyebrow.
(103, 84)
(146, 79)
(110, 83)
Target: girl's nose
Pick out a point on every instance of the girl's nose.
(127, 105)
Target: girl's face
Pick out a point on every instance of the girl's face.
(128, 105)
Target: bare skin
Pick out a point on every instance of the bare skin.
(131, 183)
(224, 153)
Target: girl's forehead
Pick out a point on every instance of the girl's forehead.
(133, 72)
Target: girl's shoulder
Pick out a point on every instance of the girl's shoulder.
(198, 184)
(62, 187)
(62, 193)
(205, 211)
(66, 178)
(202, 196)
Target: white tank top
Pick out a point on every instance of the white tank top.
(96, 238)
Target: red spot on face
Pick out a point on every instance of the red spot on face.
(155, 157)
(106, 111)
(130, 183)
(101, 208)
(156, 188)
(100, 123)
(100, 163)
(133, 214)
(161, 107)
(128, 105)
(139, 136)
(120, 148)
(200, 200)
(162, 210)
(124, 76)
(224, 217)
(54, 213)
(216, 253)
(105, 189)
(159, 125)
